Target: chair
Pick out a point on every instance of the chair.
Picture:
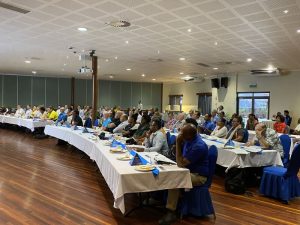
(168, 138)
(285, 141)
(197, 201)
(282, 183)
(246, 136)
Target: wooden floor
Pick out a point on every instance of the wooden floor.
(42, 183)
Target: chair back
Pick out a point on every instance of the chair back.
(212, 160)
(168, 135)
(285, 141)
(172, 140)
(294, 164)
(246, 136)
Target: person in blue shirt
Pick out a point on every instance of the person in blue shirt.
(208, 126)
(191, 153)
(62, 117)
(287, 118)
(106, 120)
(215, 117)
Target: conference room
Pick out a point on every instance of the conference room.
(149, 112)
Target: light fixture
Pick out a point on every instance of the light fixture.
(189, 30)
(216, 43)
(249, 60)
(143, 75)
(158, 52)
(127, 42)
(116, 57)
(111, 77)
(285, 11)
(27, 61)
(65, 64)
(128, 69)
(215, 68)
(153, 79)
(106, 60)
(181, 73)
(82, 29)
(182, 59)
(298, 31)
(34, 72)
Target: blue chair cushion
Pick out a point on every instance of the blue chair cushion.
(278, 171)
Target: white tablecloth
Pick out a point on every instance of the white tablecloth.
(241, 158)
(28, 123)
(119, 175)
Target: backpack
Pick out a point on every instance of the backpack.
(235, 181)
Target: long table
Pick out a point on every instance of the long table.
(239, 156)
(120, 177)
(22, 122)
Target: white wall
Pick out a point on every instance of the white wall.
(284, 92)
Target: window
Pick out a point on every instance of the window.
(204, 103)
(257, 103)
(175, 101)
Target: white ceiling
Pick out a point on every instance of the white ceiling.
(257, 29)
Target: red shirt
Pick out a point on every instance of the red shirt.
(279, 127)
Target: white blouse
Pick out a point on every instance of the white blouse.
(221, 133)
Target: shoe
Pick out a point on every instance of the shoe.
(168, 219)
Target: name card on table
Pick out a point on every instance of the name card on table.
(229, 143)
(117, 143)
(136, 159)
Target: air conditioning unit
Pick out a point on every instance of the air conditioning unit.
(266, 72)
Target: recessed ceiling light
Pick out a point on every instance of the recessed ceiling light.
(153, 79)
(27, 61)
(65, 64)
(127, 42)
(116, 57)
(34, 72)
(285, 11)
(128, 69)
(106, 60)
(158, 52)
(111, 77)
(182, 59)
(249, 60)
(181, 73)
(143, 75)
(298, 31)
(216, 43)
(83, 29)
(215, 68)
(67, 57)
(189, 30)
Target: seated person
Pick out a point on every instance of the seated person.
(20, 111)
(171, 120)
(287, 118)
(237, 133)
(265, 137)
(229, 122)
(180, 120)
(52, 114)
(155, 140)
(214, 116)
(115, 121)
(131, 128)
(251, 122)
(191, 153)
(43, 113)
(140, 133)
(106, 120)
(62, 117)
(297, 128)
(76, 119)
(122, 125)
(208, 126)
(28, 112)
(197, 117)
(190, 114)
(191, 121)
(89, 120)
(279, 125)
(220, 130)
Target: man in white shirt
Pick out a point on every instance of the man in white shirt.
(28, 112)
(20, 112)
(122, 125)
(140, 105)
(297, 128)
(155, 140)
(220, 130)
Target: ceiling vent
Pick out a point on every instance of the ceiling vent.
(203, 64)
(266, 72)
(193, 78)
(13, 8)
(228, 63)
(155, 60)
(119, 23)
